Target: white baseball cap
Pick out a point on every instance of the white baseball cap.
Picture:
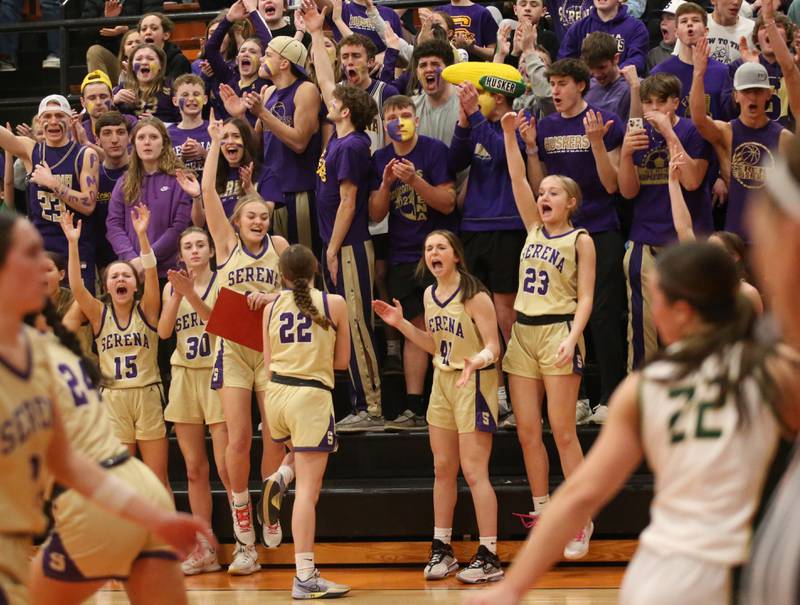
(672, 7)
(751, 75)
(54, 103)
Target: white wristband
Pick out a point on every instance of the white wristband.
(486, 357)
(112, 494)
(148, 260)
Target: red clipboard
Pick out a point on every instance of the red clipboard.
(232, 319)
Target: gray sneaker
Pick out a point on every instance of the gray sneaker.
(7, 65)
(407, 421)
(360, 423)
(51, 62)
(317, 587)
(484, 567)
(582, 411)
(442, 562)
(509, 423)
(600, 415)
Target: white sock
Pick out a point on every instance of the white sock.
(304, 563)
(489, 542)
(241, 498)
(444, 534)
(501, 393)
(393, 347)
(287, 472)
(539, 502)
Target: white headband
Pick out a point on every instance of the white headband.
(783, 188)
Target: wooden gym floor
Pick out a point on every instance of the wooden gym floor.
(389, 586)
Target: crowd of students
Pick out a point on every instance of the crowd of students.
(333, 128)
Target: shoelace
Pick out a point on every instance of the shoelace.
(272, 528)
(243, 517)
(437, 556)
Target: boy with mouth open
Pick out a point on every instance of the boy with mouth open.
(726, 28)
(190, 136)
(579, 142)
(747, 145)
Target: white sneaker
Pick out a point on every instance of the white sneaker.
(7, 65)
(509, 422)
(442, 561)
(51, 62)
(579, 545)
(201, 560)
(245, 560)
(272, 491)
(582, 411)
(600, 415)
(243, 523)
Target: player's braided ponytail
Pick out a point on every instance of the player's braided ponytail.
(298, 265)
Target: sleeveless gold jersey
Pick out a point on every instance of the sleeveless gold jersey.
(298, 346)
(194, 346)
(26, 424)
(86, 424)
(244, 272)
(548, 273)
(453, 330)
(128, 355)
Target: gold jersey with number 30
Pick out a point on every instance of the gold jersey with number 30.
(454, 332)
(194, 347)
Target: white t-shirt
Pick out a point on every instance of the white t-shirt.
(724, 39)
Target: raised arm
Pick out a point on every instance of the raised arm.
(151, 298)
(83, 199)
(322, 63)
(680, 212)
(708, 128)
(211, 51)
(606, 162)
(21, 147)
(523, 194)
(90, 306)
(784, 57)
(392, 315)
(338, 22)
(221, 230)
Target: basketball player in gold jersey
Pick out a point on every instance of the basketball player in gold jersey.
(247, 262)
(306, 337)
(33, 440)
(127, 343)
(553, 304)
(461, 334)
(187, 302)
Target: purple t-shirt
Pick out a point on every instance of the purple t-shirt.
(565, 149)
(564, 13)
(652, 214)
(355, 16)
(614, 98)
(170, 213)
(105, 186)
(345, 159)
(199, 134)
(475, 20)
(717, 84)
(410, 218)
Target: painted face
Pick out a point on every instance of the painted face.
(429, 74)
(605, 73)
(195, 250)
(529, 10)
(121, 283)
(669, 28)
(553, 202)
(152, 31)
(148, 144)
(54, 124)
(132, 41)
(52, 277)
(440, 258)
(270, 64)
(566, 92)
(253, 223)
(487, 103)
(146, 65)
(190, 99)
(272, 10)
(248, 58)
(22, 276)
(666, 106)
(114, 141)
(400, 124)
(691, 29)
(354, 62)
(232, 144)
(96, 99)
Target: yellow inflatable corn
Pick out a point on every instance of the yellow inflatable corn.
(490, 77)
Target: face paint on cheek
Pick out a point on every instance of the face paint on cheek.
(401, 129)
(181, 104)
(487, 103)
(137, 67)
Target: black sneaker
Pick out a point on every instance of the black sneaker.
(484, 567)
(442, 562)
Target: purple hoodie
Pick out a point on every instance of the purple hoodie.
(631, 35)
(170, 213)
